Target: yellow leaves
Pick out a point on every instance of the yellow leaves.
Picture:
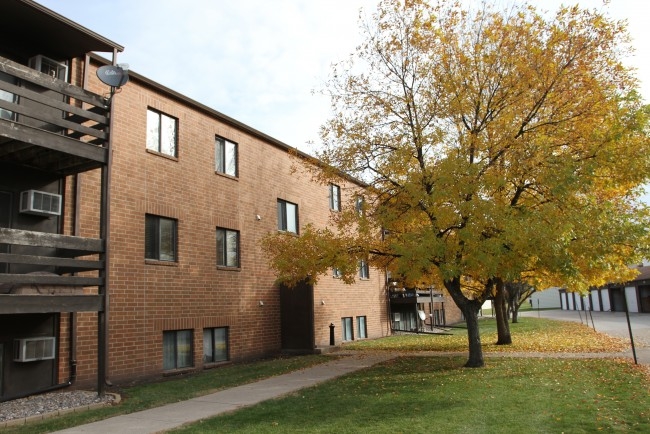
(495, 143)
(529, 336)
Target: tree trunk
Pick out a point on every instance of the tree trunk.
(501, 310)
(470, 310)
(515, 313)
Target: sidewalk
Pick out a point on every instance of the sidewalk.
(174, 415)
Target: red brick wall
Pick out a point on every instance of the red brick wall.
(149, 297)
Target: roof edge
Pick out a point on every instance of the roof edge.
(228, 120)
(73, 24)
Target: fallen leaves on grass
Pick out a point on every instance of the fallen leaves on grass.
(529, 335)
(565, 337)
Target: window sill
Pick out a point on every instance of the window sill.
(211, 365)
(163, 263)
(225, 175)
(180, 371)
(160, 154)
(224, 268)
(295, 234)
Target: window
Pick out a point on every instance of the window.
(364, 270)
(177, 349)
(287, 216)
(161, 133)
(362, 330)
(160, 238)
(359, 205)
(335, 197)
(336, 273)
(7, 96)
(346, 328)
(227, 248)
(226, 157)
(215, 345)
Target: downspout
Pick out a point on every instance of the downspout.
(76, 231)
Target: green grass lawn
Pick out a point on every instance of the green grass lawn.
(426, 394)
(422, 394)
(144, 396)
(434, 394)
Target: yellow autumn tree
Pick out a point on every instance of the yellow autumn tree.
(497, 146)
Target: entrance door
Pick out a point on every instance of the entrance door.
(644, 299)
(617, 297)
(297, 317)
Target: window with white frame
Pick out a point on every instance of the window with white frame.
(364, 270)
(215, 344)
(160, 238)
(227, 248)
(287, 216)
(346, 329)
(337, 273)
(335, 197)
(226, 157)
(362, 330)
(177, 349)
(161, 133)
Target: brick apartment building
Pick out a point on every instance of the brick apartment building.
(148, 262)
(192, 194)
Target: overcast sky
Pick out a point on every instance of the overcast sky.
(258, 61)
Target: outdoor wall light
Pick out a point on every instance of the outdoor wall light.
(261, 303)
(322, 302)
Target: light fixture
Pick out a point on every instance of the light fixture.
(261, 303)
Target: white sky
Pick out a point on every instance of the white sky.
(258, 61)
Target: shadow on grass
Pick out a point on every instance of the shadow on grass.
(434, 394)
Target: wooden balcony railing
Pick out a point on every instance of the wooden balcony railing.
(54, 290)
(49, 124)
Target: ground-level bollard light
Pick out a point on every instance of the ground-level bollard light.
(331, 333)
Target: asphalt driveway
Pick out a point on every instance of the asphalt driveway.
(612, 323)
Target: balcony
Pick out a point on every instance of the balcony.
(52, 127)
(59, 289)
(48, 124)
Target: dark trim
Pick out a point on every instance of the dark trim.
(46, 20)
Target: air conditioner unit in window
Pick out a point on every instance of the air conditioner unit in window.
(50, 67)
(32, 349)
(40, 203)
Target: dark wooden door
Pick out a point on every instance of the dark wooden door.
(297, 317)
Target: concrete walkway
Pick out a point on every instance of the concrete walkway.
(174, 415)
